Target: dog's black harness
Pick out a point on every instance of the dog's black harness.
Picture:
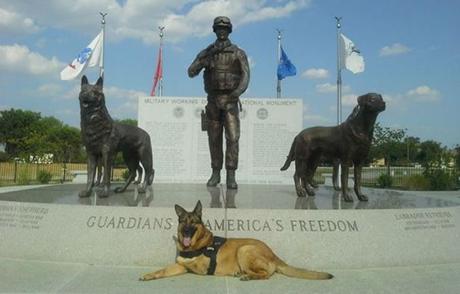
(210, 251)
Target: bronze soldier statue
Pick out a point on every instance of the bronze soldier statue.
(226, 77)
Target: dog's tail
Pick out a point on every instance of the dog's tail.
(290, 157)
(301, 273)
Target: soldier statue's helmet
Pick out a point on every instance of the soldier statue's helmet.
(222, 21)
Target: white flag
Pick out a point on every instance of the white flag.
(90, 56)
(350, 56)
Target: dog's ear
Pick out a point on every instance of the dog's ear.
(100, 82)
(198, 208)
(180, 211)
(84, 80)
(363, 99)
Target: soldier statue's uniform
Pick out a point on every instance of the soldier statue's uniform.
(226, 77)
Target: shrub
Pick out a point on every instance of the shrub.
(417, 183)
(384, 181)
(44, 177)
(125, 174)
(441, 180)
(23, 178)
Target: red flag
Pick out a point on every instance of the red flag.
(158, 72)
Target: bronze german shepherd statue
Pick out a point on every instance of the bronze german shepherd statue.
(103, 138)
(202, 253)
(347, 143)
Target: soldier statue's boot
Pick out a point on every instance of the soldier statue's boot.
(231, 182)
(214, 179)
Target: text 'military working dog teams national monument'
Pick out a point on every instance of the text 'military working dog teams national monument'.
(250, 230)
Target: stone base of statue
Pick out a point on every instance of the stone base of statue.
(50, 225)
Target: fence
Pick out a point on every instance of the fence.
(399, 175)
(25, 173)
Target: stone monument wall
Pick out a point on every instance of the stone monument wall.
(308, 238)
(180, 148)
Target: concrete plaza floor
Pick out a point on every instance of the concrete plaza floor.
(32, 276)
(26, 276)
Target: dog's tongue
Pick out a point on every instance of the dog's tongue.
(186, 241)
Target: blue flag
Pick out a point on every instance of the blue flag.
(285, 67)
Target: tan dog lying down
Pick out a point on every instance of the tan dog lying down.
(202, 253)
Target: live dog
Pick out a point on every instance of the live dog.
(103, 138)
(202, 253)
(347, 143)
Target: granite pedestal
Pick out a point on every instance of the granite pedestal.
(57, 242)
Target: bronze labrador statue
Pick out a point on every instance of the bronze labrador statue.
(103, 138)
(347, 143)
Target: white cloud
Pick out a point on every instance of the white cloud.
(14, 23)
(326, 88)
(395, 49)
(424, 94)
(315, 73)
(311, 119)
(18, 58)
(129, 98)
(349, 100)
(331, 88)
(49, 90)
(138, 19)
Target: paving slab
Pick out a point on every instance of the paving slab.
(27, 276)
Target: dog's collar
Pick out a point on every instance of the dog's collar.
(209, 251)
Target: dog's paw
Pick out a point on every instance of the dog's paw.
(147, 277)
(118, 190)
(84, 194)
(363, 197)
(301, 192)
(244, 277)
(347, 197)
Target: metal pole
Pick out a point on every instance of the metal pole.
(278, 84)
(101, 65)
(160, 87)
(339, 73)
(339, 94)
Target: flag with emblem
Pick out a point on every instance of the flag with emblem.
(351, 57)
(89, 57)
(285, 66)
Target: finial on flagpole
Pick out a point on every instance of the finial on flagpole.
(338, 19)
(103, 14)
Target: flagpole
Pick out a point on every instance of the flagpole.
(160, 86)
(339, 74)
(339, 95)
(101, 67)
(278, 84)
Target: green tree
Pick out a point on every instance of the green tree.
(412, 148)
(66, 144)
(457, 157)
(388, 144)
(127, 121)
(29, 136)
(430, 154)
(16, 129)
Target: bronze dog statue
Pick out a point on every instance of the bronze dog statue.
(347, 143)
(103, 138)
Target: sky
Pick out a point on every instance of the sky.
(411, 50)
